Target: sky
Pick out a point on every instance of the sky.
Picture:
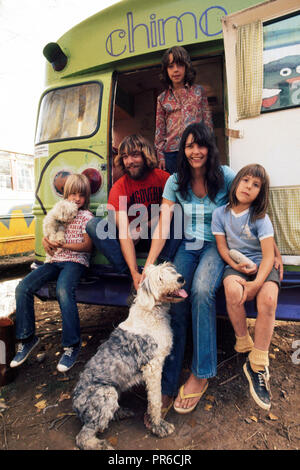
(26, 26)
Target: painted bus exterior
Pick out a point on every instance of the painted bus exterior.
(17, 225)
(102, 81)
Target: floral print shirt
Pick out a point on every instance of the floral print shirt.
(176, 109)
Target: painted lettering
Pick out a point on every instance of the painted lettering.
(111, 42)
(204, 21)
(156, 32)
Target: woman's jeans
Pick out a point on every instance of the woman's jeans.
(67, 275)
(202, 270)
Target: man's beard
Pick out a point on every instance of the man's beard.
(138, 174)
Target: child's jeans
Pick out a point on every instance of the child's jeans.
(67, 275)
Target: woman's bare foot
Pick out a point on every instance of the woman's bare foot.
(192, 386)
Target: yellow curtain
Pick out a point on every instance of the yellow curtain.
(284, 212)
(249, 55)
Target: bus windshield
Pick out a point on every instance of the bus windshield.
(69, 112)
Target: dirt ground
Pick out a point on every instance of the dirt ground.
(36, 407)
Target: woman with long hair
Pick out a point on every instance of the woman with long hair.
(200, 185)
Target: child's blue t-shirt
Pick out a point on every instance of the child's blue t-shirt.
(242, 234)
(198, 211)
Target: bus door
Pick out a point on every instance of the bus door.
(136, 97)
(72, 136)
(260, 138)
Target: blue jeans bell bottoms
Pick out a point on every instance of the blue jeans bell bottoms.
(202, 268)
(67, 274)
(110, 247)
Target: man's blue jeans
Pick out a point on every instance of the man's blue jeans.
(202, 270)
(111, 249)
(67, 275)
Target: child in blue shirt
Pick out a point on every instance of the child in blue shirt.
(243, 225)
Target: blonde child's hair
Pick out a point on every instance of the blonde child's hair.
(133, 143)
(78, 183)
(260, 205)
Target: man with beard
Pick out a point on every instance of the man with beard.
(133, 204)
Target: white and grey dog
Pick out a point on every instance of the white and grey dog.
(54, 224)
(135, 352)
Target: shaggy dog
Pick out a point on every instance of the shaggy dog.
(54, 224)
(135, 352)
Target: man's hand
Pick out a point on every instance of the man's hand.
(162, 164)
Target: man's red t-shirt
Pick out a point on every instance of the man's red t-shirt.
(143, 192)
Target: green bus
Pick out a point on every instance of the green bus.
(102, 81)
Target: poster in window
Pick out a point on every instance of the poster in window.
(281, 88)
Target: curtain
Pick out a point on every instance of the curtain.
(249, 56)
(284, 212)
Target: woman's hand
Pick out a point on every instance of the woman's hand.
(136, 278)
(278, 264)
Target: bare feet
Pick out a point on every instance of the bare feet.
(192, 386)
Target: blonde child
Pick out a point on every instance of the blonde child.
(243, 225)
(69, 262)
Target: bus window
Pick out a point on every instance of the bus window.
(69, 112)
(24, 176)
(5, 174)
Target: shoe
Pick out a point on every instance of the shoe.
(259, 386)
(68, 358)
(23, 351)
(184, 411)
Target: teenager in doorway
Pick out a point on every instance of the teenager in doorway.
(182, 103)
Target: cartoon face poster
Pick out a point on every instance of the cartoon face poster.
(281, 64)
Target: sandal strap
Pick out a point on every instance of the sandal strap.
(192, 395)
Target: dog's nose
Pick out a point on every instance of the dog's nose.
(180, 279)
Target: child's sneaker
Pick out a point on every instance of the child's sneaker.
(259, 386)
(68, 358)
(23, 351)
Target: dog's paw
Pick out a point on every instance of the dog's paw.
(123, 413)
(93, 443)
(163, 429)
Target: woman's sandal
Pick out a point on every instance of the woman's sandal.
(165, 411)
(190, 395)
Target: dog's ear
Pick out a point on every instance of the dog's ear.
(145, 296)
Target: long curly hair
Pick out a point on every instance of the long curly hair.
(214, 178)
(180, 57)
(260, 205)
(133, 143)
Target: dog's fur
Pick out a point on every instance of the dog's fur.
(54, 224)
(135, 352)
